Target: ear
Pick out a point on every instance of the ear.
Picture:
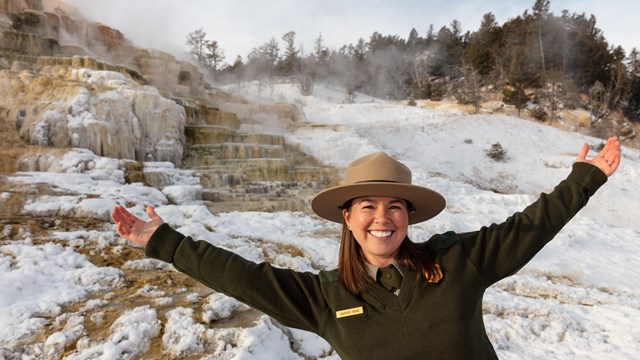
(345, 215)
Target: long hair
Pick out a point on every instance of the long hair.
(351, 264)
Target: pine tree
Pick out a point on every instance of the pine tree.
(197, 42)
(214, 55)
(468, 89)
(413, 41)
(289, 64)
(589, 58)
(262, 61)
(540, 15)
(633, 65)
(482, 52)
(519, 78)
(320, 51)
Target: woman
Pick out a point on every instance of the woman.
(433, 309)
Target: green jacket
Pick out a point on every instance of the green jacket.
(426, 321)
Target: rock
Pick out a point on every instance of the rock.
(32, 29)
(105, 112)
(66, 82)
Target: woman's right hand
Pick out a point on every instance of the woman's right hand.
(133, 228)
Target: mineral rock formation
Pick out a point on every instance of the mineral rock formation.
(104, 111)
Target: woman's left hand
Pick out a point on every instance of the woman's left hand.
(607, 159)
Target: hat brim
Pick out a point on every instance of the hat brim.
(427, 203)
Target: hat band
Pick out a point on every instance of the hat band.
(387, 181)
(341, 206)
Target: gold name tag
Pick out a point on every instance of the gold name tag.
(349, 312)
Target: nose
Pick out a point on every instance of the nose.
(382, 215)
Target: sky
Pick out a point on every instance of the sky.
(242, 25)
(577, 299)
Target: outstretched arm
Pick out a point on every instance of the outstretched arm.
(607, 160)
(500, 250)
(133, 228)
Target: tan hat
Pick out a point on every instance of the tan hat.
(378, 175)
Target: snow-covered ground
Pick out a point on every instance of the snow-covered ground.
(577, 299)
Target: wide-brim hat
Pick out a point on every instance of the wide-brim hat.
(378, 175)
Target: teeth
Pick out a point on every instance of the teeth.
(380, 234)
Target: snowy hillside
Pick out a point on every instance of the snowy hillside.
(577, 299)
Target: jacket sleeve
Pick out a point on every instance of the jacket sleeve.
(295, 299)
(500, 250)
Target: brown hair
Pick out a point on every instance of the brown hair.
(351, 264)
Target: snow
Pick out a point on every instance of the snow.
(578, 298)
(38, 279)
(131, 336)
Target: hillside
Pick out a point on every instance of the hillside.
(123, 296)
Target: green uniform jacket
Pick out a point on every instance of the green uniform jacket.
(426, 321)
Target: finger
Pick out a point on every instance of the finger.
(612, 152)
(128, 216)
(113, 215)
(614, 165)
(604, 150)
(122, 217)
(582, 155)
(123, 230)
(116, 215)
(613, 144)
(151, 212)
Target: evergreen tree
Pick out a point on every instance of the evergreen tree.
(206, 53)
(482, 53)
(589, 60)
(355, 74)
(431, 36)
(413, 41)
(468, 89)
(555, 57)
(633, 65)
(261, 61)
(619, 77)
(540, 16)
(197, 42)
(552, 92)
(317, 64)
(449, 52)
(320, 51)
(520, 78)
(388, 65)
(214, 55)
(289, 64)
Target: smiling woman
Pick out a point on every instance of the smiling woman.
(379, 225)
(386, 289)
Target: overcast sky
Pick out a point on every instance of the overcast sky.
(241, 25)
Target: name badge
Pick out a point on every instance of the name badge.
(349, 312)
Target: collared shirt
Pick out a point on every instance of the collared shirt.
(372, 270)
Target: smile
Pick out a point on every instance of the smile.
(380, 234)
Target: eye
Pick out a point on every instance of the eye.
(397, 206)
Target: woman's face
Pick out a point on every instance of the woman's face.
(379, 225)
